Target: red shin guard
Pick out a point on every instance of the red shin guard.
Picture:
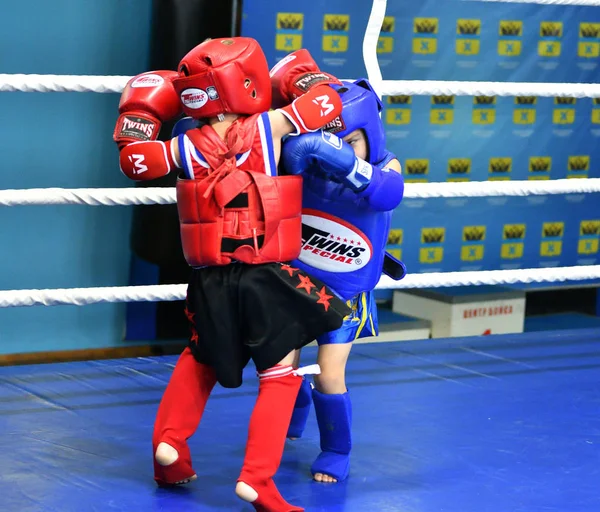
(266, 437)
(179, 414)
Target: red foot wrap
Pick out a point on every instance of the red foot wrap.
(248, 217)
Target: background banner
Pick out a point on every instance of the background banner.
(447, 138)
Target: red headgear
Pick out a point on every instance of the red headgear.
(221, 76)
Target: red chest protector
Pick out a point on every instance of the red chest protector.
(232, 214)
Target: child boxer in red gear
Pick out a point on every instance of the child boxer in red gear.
(239, 221)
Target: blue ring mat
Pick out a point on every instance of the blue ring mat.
(506, 423)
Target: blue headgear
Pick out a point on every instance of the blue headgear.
(361, 108)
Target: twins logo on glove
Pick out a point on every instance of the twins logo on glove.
(332, 140)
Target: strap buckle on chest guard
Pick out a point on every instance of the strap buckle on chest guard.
(393, 267)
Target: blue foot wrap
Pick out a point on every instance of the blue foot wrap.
(334, 416)
(301, 410)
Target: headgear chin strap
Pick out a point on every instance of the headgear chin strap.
(224, 76)
(361, 110)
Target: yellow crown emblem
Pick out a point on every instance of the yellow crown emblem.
(289, 22)
(511, 28)
(443, 100)
(525, 100)
(473, 234)
(589, 30)
(388, 24)
(469, 27)
(514, 231)
(426, 26)
(459, 166)
(590, 228)
(337, 23)
(394, 237)
(395, 100)
(579, 163)
(417, 167)
(484, 100)
(549, 29)
(564, 101)
(539, 164)
(432, 235)
(554, 229)
(500, 165)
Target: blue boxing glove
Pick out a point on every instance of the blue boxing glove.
(183, 125)
(330, 154)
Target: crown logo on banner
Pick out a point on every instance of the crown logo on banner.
(417, 167)
(484, 100)
(525, 100)
(443, 100)
(425, 26)
(550, 29)
(433, 235)
(469, 27)
(564, 101)
(540, 164)
(590, 228)
(459, 166)
(399, 100)
(579, 163)
(474, 234)
(290, 22)
(553, 230)
(500, 164)
(509, 28)
(589, 30)
(337, 24)
(514, 231)
(388, 24)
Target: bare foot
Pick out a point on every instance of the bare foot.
(321, 477)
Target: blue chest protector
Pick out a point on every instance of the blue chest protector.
(343, 238)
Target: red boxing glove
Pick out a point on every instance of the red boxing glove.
(143, 161)
(296, 74)
(147, 100)
(315, 109)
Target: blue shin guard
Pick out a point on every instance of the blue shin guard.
(334, 416)
(301, 411)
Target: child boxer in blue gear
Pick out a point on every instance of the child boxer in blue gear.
(352, 184)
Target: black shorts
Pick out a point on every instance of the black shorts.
(263, 312)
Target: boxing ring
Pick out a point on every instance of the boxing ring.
(498, 424)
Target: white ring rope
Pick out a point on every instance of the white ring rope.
(166, 195)
(88, 196)
(590, 3)
(450, 88)
(84, 296)
(62, 83)
(371, 41)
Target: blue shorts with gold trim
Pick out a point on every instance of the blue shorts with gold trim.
(360, 323)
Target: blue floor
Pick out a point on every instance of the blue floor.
(491, 424)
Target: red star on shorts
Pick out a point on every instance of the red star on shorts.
(190, 316)
(288, 269)
(305, 283)
(324, 298)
